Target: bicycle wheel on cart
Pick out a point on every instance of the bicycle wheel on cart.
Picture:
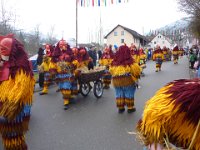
(85, 89)
(98, 88)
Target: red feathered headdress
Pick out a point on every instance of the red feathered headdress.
(122, 57)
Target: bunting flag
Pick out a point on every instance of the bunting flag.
(93, 3)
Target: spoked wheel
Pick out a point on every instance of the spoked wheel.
(98, 89)
(85, 89)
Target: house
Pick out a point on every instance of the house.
(120, 35)
(160, 40)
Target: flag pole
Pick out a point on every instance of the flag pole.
(76, 23)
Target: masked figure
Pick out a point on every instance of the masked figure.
(106, 61)
(125, 73)
(45, 68)
(158, 57)
(16, 93)
(172, 115)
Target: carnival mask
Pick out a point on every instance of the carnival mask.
(5, 49)
(47, 49)
(63, 45)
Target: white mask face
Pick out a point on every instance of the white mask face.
(1, 63)
(6, 58)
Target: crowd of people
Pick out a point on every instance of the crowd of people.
(171, 110)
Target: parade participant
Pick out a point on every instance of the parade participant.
(181, 52)
(158, 58)
(125, 73)
(44, 67)
(106, 61)
(142, 62)
(16, 93)
(172, 116)
(63, 57)
(135, 53)
(81, 60)
(175, 53)
(165, 51)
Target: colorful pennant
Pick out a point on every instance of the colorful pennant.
(93, 3)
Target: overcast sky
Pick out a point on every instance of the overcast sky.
(139, 15)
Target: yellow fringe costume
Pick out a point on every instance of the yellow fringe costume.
(15, 104)
(107, 76)
(172, 115)
(158, 57)
(124, 79)
(44, 67)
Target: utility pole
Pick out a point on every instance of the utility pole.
(76, 23)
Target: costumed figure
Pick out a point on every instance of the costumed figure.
(165, 51)
(175, 53)
(16, 93)
(142, 62)
(44, 67)
(158, 58)
(63, 57)
(125, 73)
(135, 53)
(81, 60)
(181, 52)
(106, 61)
(172, 117)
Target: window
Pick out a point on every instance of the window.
(154, 42)
(122, 32)
(115, 33)
(163, 42)
(122, 40)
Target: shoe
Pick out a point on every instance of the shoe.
(66, 107)
(106, 87)
(42, 93)
(120, 111)
(131, 110)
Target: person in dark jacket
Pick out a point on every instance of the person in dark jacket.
(93, 54)
(39, 62)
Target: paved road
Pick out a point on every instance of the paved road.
(92, 124)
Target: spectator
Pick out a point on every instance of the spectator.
(99, 54)
(198, 68)
(93, 54)
(39, 62)
(193, 58)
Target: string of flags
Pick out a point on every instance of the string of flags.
(98, 3)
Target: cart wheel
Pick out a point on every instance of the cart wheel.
(85, 89)
(98, 88)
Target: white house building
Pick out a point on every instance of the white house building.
(160, 40)
(120, 35)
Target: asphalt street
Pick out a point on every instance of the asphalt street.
(94, 124)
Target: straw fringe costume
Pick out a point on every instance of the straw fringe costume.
(45, 67)
(125, 72)
(165, 51)
(172, 114)
(106, 61)
(63, 57)
(158, 58)
(175, 53)
(16, 93)
(81, 60)
(142, 61)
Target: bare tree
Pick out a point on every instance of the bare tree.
(6, 18)
(50, 35)
(192, 8)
